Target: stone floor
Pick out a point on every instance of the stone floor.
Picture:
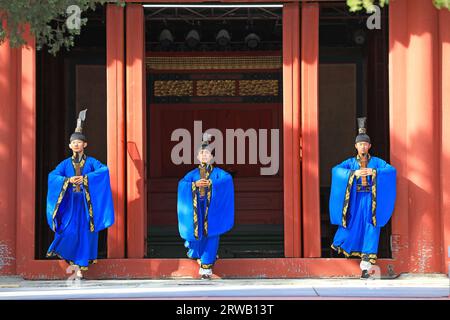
(406, 286)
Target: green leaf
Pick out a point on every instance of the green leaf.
(46, 19)
(442, 4)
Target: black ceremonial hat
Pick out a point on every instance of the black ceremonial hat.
(362, 131)
(78, 134)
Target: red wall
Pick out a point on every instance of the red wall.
(8, 157)
(417, 132)
(420, 149)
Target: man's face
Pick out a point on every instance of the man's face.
(204, 156)
(362, 147)
(77, 145)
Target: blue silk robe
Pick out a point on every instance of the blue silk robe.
(360, 215)
(201, 221)
(77, 217)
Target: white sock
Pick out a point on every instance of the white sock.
(365, 265)
(206, 272)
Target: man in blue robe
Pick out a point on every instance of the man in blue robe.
(362, 198)
(79, 204)
(205, 210)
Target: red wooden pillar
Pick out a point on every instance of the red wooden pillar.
(398, 42)
(444, 43)
(26, 154)
(415, 127)
(115, 75)
(135, 136)
(423, 137)
(310, 130)
(8, 158)
(291, 129)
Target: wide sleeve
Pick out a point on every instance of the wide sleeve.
(98, 195)
(185, 209)
(384, 193)
(221, 209)
(58, 199)
(342, 178)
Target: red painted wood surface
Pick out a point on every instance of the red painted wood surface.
(259, 199)
(226, 268)
(417, 67)
(444, 48)
(291, 129)
(398, 35)
(166, 118)
(115, 73)
(422, 137)
(8, 157)
(136, 136)
(414, 104)
(26, 154)
(310, 131)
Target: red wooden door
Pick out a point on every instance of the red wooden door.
(259, 198)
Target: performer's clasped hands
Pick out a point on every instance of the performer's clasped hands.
(76, 180)
(202, 183)
(364, 172)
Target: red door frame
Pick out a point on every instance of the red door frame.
(444, 50)
(136, 132)
(291, 131)
(9, 80)
(115, 73)
(26, 155)
(310, 130)
(28, 267)
(420, 234)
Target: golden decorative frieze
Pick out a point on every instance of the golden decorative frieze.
(258, 87)
(213, 63)
(173, 88)
(221, 88)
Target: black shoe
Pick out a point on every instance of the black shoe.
(365, 275)
(206, 277)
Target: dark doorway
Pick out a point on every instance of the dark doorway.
(353, 82)
(227, 73)
(66, 84)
